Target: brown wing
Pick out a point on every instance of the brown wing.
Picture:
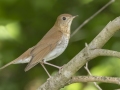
(39, 56)
(47, 44)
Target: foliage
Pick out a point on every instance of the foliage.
(24, 22)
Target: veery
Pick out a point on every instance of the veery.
(49, 47)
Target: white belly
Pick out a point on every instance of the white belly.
(58, 50)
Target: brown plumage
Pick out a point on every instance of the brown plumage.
(46, 48)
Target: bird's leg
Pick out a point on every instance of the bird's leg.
(45, 69)
(52, 65)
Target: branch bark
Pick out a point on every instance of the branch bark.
(60, 79)
(78, 79)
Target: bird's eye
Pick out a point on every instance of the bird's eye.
(64, 18)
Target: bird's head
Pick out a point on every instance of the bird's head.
(64, 21)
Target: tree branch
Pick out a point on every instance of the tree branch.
(60, 79)
(105, 52)
(79, 79)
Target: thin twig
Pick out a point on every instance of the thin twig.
(86, 67)
(91, 17)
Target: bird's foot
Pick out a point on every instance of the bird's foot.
(60, 68)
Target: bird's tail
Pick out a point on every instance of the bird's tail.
(25, 55)
(12, 62)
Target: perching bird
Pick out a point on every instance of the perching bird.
(49, 47)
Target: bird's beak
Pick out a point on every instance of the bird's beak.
(74, 16)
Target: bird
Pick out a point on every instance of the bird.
(53, 44)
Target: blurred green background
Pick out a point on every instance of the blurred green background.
(24, 22)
